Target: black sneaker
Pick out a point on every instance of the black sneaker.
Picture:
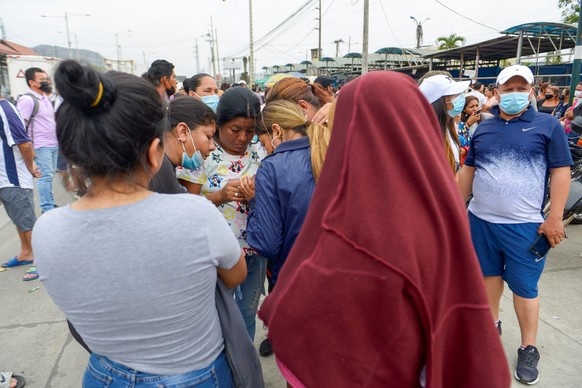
(265, 348)
(499, 328)
(527, 365)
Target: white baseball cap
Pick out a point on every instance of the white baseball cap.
(242, 82)
(440, 85)
(513, 71)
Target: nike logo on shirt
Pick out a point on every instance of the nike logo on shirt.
(527, 129)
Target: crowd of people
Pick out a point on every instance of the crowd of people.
(191, 200)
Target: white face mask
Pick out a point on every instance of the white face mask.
(578, 93)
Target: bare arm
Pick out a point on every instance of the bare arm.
(466, 176)
(559, 189)
(27, 151)
(193, 188)
(236, 275)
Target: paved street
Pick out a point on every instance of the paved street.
(35, 341)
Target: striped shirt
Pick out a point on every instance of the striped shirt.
(13, 170)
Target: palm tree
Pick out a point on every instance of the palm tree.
(449, 42)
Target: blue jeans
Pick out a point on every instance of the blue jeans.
(248, 294)
(102, 372)
(46, 160)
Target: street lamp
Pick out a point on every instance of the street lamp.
(419, 32)
(66, 17)
(119, 47)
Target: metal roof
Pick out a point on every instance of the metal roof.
(392, 50)
(538, 38)
(12, 48)
(538, 28)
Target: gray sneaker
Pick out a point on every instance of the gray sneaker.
(526, 371)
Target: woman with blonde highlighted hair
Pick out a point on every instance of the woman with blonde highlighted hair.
(314, 101)
(284, 184)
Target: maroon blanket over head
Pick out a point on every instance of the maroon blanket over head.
(383, 279)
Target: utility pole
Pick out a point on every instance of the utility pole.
(212, 47)
(197, 57)
(365, 42)
(577, 58)
(66, 17)
(68, 36)
(2, 29)
(252, 54)
(119, 48)
(319, 53)
(210, 40)
(217, 55)
(77, 46)
(337, 43)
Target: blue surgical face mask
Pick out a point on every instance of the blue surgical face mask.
(514, 102)
(458, 105)
(211, 101)
(194, 162)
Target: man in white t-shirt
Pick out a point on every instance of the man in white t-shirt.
(476, 91)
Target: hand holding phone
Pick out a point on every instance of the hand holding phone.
(541, 246)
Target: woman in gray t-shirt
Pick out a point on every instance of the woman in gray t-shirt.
(141, 295)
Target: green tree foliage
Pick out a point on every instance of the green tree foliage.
(449, 42)
(554, 58)
(570, 10)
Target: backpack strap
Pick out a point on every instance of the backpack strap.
(29, 124)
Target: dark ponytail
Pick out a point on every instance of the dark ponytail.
(79, 86)
(186, 85)
(107, 121)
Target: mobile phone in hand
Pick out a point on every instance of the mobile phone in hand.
(540, 247)
(477, 112)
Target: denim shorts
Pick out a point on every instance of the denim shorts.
(104, 373)
(19, 205)
(503, 250)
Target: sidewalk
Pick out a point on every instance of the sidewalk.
(35, 341)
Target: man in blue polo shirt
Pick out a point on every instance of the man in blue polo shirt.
(508, 164)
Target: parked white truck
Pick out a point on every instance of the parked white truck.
(13, 81)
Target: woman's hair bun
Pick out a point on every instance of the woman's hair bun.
(83, 87)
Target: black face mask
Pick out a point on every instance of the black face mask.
(549, 96)
(170, 92)
(45, 87)
(562, 97)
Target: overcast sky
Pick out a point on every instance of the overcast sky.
(168, 29)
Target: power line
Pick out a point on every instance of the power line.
(280, 29)
(225, 11)
(328, 8)
(389, 26)
(468, 18)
